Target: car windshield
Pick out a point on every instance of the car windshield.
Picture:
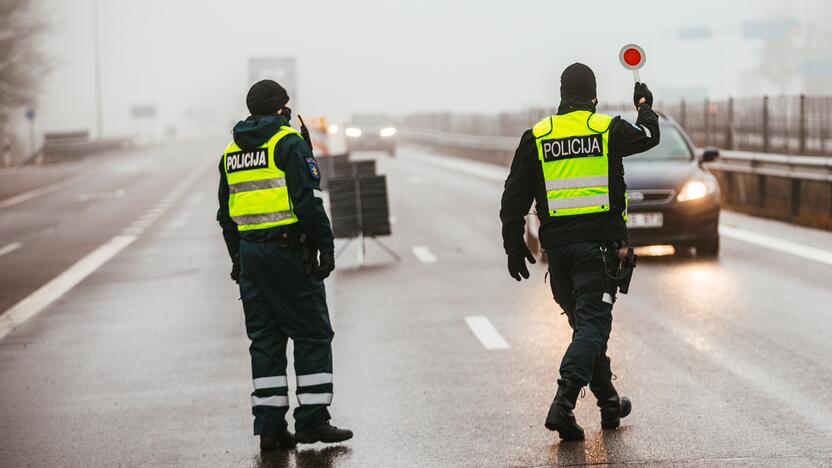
(370, 119)
(671, 148)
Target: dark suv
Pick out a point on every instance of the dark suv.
(672, 199)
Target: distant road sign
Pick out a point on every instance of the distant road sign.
(695, 32)
(771, 29)
(146, 111)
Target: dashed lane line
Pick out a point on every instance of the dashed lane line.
(499, 173)
(10, 248)
(424, 254)
(39, 300)
(773, 243)
(26, 196)
(485, 332)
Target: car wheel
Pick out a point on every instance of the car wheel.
(708, 247)
(681, 250)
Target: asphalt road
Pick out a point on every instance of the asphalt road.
(143, 360)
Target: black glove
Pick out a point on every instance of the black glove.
(310, 260)
(327, 264)
(641, 91)
(517, 262)
(235, 268)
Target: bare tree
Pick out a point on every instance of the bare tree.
(21, 63)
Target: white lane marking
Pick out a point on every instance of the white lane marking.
(475, 168)
(35, 302)
(10, 248)
(494, 172)
(424, 254)
(25, 196)
(51, 291)
(811, 253)
(100, 195)
(486, 333)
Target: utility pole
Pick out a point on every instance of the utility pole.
(97, 52)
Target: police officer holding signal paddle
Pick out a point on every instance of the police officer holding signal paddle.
(571, 164)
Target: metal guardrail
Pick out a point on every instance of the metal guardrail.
(796, 189)
(798, 125)
(817, 168)
(61, 149)
(779, 165)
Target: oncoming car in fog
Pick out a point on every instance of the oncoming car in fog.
(371, 132)
(672, 199)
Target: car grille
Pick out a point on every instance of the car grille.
(651, 197)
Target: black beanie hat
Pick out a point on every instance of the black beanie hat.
(265, 98)
(577, 81)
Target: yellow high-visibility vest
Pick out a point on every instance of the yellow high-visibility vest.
(573, 152)
(259, 198)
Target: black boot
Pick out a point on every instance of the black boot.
(325, 432)
(282, 440)
(613, 407)
(560, 417)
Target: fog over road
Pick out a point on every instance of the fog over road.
(136, 354)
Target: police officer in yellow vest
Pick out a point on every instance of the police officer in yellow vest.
(571, 164)
(281, 246)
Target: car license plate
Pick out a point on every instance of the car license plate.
(645, 220)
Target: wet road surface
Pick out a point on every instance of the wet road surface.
(441, 359)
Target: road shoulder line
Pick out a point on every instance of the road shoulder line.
(41, 298)
(34, 193)
(9, 248)
(58, 286)
(773, 243)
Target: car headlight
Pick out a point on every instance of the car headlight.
(353, 132)
(387, 132)
(696, 189)
(332, 129)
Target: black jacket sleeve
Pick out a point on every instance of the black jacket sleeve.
(293, 156)
(627, 139)
(518, 193)
(229, 227)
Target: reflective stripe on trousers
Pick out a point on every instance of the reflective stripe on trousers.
(274, 400)
(579, 202)
(257, 185)
(271, 382)
(315, 398)
(323, 395)
(268, 383)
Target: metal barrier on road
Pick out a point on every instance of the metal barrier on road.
(71, 145)
(795, 189)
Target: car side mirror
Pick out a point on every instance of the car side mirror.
(710, 154)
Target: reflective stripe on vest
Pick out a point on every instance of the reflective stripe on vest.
(257, 185)
(258, 196)
(573, 152)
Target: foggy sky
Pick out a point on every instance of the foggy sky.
(382, 55)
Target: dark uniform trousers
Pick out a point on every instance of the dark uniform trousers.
(586, 294)
(281, 302)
